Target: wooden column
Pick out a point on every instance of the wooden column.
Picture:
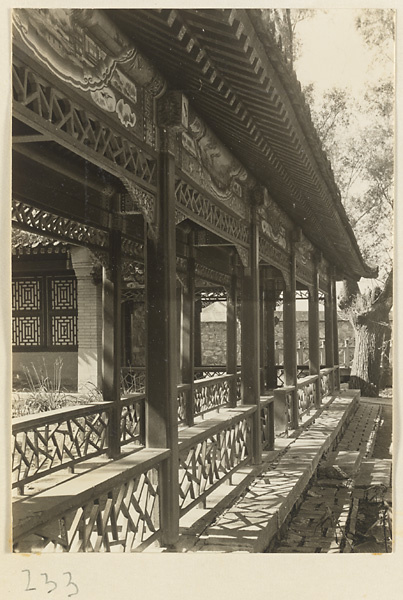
(112, 338)
(162, 404)
(329, 340)
(187, 336)
(290, 338)
(313, 324)
(250, 338)
(197, 333)
(262, 331)
(232, 338)
(336, 360)
(270, 308)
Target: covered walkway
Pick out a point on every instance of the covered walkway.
(163, 189)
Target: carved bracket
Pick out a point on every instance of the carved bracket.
(243, 255)
(138, 200)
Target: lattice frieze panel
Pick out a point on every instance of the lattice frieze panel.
(63, 294)
(44, 222)
(211, 395)
(57, 112)
(26, 295)
(42, 449)
(209, 461)
(211, 214)
(64, 330)
(116, 520)
(27, 331)
(132, 422)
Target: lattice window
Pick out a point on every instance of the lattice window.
(27, 301)
(44, 312)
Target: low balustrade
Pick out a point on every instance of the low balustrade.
(301, 398)
(133, 380)
(306, 394)
(326, 381)
(115, 508)
(210, 452)
(59, 439)
(209, 371)
(209, 393)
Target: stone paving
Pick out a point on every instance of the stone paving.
(326, 519)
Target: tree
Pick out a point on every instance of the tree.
(285, 22)
(357, 136)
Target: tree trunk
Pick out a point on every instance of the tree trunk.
(366, 367)
(372, 335)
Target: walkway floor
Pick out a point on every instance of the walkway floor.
(345, 509)
(253, 522)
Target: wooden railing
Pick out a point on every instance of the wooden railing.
(306, 394)
(133, 379)
(210, 453)
(295, 402)
(113, 508)
(59, 439)
(209, 371)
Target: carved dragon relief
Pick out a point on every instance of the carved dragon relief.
(273, 221)
(206, 160)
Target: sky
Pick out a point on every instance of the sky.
(334, 52)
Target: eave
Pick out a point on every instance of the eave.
(237, 79)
